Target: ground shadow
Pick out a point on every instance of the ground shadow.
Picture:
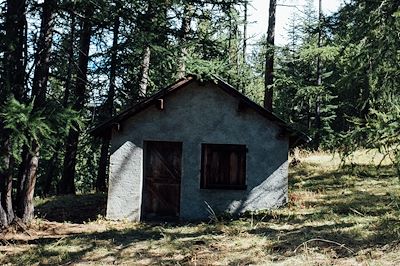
(44, 250)
(72, 208)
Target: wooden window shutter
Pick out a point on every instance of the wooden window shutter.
(223, 166)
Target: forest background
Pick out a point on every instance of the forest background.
(66, 65)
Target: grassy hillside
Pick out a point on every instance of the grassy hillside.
(341, 216)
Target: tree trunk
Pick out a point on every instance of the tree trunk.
(27, 181)
(13, 77)
(318, 125)
(14, 55)
(185, 29)
(48, 179)
(3, 217)
(49, 173)
(41, 74)
(269, 62)
(102, 174)
(67, 181)
(25, 201)
(148, 26)
(144, 71)
(245, 32)
(236, 46)
(242, 86)
(6, 182)
(67, 185)
(70, 60)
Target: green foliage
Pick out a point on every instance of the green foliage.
(311, 51)
(297, 95)
(360, 70)
(24, 124)
(42, 126)
(367, 77)
(87, 166)
(379, 131)
(205, 69)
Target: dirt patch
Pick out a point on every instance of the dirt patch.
(41, 229)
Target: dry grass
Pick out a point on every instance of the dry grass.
(346, 216)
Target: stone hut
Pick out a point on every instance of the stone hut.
(196, 146)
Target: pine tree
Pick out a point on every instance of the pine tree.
(102, 174)
(67, 185)
(29, 165)
(13, 81)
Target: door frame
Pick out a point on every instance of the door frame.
(144, 174)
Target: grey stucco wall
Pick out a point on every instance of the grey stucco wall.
(194, 115)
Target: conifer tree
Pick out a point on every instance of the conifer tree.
(12, 85)
(29, 165)
(67, 185)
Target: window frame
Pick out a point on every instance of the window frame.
(205, 181)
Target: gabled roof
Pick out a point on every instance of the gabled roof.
(295, 136)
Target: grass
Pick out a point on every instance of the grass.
(340, 216)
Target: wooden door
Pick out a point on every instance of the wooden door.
(162, 166)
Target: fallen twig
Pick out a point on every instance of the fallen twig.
(326, 241)
(357, 212)
(58, 242)
(4, 242)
